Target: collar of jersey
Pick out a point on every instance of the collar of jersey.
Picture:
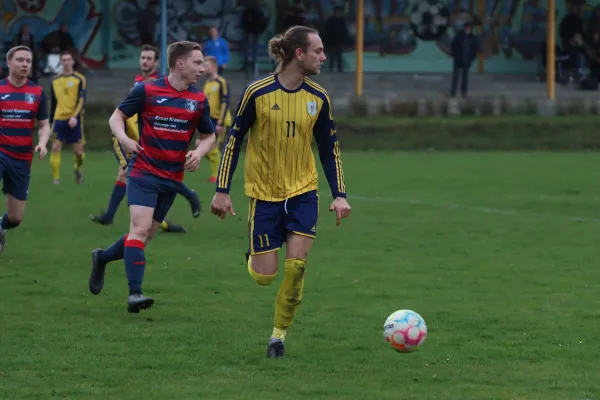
(287, 90)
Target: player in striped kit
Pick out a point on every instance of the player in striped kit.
(170, 110)
(21, 103)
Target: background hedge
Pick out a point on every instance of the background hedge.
(437, 133)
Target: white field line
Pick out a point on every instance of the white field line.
(486, 210)
(551, 198)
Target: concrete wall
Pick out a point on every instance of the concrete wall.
(105, 31)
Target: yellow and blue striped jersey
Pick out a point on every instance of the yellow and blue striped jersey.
(281, 124)
(217, 91)
(68, 96)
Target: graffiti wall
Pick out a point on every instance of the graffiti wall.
(512, 33)
(106, 34)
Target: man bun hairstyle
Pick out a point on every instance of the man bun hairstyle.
(282, 48)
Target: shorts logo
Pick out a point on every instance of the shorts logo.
(29, 98)
(312, 108)
(191, 105)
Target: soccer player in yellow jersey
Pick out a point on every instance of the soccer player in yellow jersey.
(149, 57)
(216, 89)
(68, 98)
(281, 113)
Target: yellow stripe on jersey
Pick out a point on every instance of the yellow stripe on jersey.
(225, 167)
(252, 89)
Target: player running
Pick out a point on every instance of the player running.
(21, 103)
(170, 111)
(66, 115)
(217, 91)
(149, 58)
(282, 113)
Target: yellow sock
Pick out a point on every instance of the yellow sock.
(164, 225)
(79, 161)
(214, 157)
(55, 164)
(289, 296)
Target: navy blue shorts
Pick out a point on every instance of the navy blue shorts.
(67, 135)
(14, 175)
(152, 192)
(269, 222)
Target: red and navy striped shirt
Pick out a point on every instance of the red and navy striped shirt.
(19, 108)
(167, 119)
(141, 78)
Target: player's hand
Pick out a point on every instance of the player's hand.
(42, 150)
(219, 129)
(72, 122)
(193, 160)
(221, 204)
(341, 208)
(130, 146)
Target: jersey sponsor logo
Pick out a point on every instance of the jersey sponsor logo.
(312, 108)
(30, 98)
(191, 105)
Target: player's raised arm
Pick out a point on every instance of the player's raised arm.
(134, 103)
(244, 119)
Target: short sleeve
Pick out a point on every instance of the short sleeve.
(42, 113)
(205, 125)
(135, 101)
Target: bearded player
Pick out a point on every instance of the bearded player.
(149, 58)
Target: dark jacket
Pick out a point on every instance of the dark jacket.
(336, 31)
(254, 22)
(464, 49)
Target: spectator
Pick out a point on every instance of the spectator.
(218, 48)
(146, 24)
(593, 55)
(336, 36)
(594, 23)
(465, 47)
(295, 16)
(25, 38)
(254, 23)
(571, 35)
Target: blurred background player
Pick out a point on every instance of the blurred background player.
(216, 89)
(149, 58)
(21, 103)
(66, 115)
(284, 204)
(157, 168)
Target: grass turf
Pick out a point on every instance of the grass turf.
(498, 252)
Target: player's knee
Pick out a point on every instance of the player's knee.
(15, 219)
(56, 146)
(261, 279)
(121, 177)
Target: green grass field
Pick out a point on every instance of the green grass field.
(498, 252)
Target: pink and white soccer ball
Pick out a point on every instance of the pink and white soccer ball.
(405, 331)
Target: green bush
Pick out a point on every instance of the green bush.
(440, 133)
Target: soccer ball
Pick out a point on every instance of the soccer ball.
(405, 331)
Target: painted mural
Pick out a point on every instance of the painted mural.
(105, 31)
(186, 20)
